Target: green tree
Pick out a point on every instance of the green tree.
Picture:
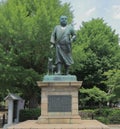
(113, 85)
(25, 31)
(95, 51)
(94, 97)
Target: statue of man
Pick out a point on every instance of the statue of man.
(62, 37)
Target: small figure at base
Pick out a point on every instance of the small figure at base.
(51, 66)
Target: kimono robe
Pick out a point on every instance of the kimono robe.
(61, 38)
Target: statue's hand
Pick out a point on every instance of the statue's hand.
(73, 38)
(51, 46)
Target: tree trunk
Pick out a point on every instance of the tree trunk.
(33, 102)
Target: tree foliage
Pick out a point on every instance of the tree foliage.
(93, 97)
(96, 51)
(25, 31)
(113, 84)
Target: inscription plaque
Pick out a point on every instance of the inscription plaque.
(59, 103)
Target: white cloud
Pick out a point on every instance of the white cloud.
(116, 11)
(90, 11)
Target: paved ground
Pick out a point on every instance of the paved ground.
(84, 124)
(111, 127)
(114, 126)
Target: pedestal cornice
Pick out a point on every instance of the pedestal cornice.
(58, 84)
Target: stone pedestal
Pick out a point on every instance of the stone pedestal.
(59, 106)
(59, 100)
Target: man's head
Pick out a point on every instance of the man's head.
(63, 20)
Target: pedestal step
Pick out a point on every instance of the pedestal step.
(84, 124)
(59, 120)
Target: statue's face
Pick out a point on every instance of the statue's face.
(63, 20)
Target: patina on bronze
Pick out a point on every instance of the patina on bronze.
(62, 37)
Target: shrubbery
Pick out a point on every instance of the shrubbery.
(114, 116)
(87, 114)
(29, 114)
(104, 115)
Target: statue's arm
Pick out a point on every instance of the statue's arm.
(53, 36)
(73, 34)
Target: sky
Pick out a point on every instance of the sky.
(85, 10)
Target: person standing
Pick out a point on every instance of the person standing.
(62, 37)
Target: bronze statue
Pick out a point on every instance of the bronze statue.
(62, 37)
